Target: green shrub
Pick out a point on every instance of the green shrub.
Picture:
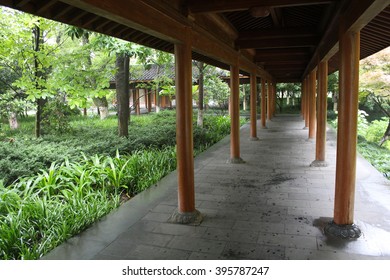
(375, 131)
(378, 156)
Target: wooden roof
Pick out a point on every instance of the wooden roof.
(281, 40)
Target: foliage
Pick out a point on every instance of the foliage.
(56, 116)
(369, 135)
(378, 156)
(39, 212)
(217, 91)
(25, 155)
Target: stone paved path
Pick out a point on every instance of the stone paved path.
(271, 207)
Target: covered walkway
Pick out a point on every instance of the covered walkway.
(273, 206)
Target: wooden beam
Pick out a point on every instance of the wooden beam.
(277, 43)
(138, 15)
(275, 58)
(277, 17)
(261, 34)
(220, 6)
(355, 14)
(45, 6)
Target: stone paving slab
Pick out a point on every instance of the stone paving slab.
(273, 206)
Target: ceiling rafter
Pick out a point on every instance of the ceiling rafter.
(277, 43)
(220, 6)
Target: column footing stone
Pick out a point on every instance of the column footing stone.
(319, 163)
(189, 218)
(342, 231)
(264, 127)
(235, 161)
(305, 128)
(254, 139)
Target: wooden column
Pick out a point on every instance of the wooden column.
(253, 108)
(269, 101)
(149, 101)
(312, 104)
(349, 49)
(274, 99)
(307, 111)
(303, 96)
(263, 103)
(186, 212)
(235, 115)
(302, 100)
(321, 114)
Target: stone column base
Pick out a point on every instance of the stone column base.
(254, 139)
(319, 163)
(305, 128)
(342, 231)
(235, 160)
(189, 218)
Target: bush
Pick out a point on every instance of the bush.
(56, 116)
(38, 212)
(375, 131)
(378, 156)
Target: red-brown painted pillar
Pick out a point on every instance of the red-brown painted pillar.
(269, 101)
(349, 49)
(263, 103)
(274, 99)
(312, 104)
(253, 108)
(186, 212)
(303, 96)
(307, 111)
(235, 115)
(303, 100)
(321, 114)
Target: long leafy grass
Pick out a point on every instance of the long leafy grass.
(80, 178)
(369, 134)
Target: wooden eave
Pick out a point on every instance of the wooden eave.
(284, 45)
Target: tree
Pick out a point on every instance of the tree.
(333, 87)
(95, 68)
(217, 90)
(122, 93)
(201, 68)
(164, 64)
(288, 90)
(27, 53)
(374, 85)
(12, 100)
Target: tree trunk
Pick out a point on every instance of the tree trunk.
(386, 135)
(158, 100)
(102, 106)
(13, 121)
(122, 94)
(85, 111)
(38, 74)
(244, 99)
(38, 117)
(201, 94)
